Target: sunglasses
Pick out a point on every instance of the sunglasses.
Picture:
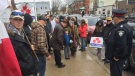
(108, 20)
(17, 13)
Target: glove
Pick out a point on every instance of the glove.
(71, 41)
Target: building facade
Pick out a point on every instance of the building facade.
(77, 5)
(130, 8)
(106, 10)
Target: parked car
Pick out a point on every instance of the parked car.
(130, 62)
(131, 17)
(76, 15)
(103, 16)
(91, 26)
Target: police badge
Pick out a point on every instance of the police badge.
(120, 33)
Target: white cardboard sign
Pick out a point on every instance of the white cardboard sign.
(96, 42)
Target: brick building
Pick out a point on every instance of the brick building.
(130, 8)
(86, 4)
(77, 4)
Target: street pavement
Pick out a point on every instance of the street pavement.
(82, 65)
(93, 52)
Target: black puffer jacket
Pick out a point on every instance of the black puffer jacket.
(106, 30)
(25, 56)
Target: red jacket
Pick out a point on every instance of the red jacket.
(83, 30)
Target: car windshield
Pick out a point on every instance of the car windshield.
(92, 21)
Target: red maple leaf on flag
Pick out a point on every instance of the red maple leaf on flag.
(28, 11)
(25, 9)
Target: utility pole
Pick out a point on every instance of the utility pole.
(116, 3)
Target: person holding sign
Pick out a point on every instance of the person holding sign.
(98, 32)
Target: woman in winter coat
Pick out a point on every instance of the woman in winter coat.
(73, 30)
(83, 32)
(98, 32)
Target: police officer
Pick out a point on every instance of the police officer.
(119, 43)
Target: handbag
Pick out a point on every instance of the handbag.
(75, 44)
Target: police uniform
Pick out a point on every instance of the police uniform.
(119, 44)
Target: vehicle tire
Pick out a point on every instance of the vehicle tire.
(126, 65)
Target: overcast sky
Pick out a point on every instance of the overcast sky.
(16, 1)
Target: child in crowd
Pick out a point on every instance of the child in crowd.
(67, 44)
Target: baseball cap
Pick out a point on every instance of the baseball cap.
(109, 18)
(17, 14)
(42, 18)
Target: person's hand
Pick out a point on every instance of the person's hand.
(49, 57)
(115, 59)
(32, 47)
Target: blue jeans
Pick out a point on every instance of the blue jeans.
(83, 43)
(41, 65)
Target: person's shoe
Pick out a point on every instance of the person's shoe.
(67, 58)
(83, 50)
(80, 49)
(61, 66)
(103, 59)
(107, 61)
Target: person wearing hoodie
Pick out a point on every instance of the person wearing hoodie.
(98, 32)
(83, 32)
(27, 24)
(106, 30)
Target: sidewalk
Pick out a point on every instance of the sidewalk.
(82, 65)
(93, 52)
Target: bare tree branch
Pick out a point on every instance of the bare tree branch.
(56, 4)
(63, 9)
(13, 5)
(68, 2)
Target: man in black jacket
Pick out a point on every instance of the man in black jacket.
(119, 43)
(48, 29)
(26, 58)
(106, 30)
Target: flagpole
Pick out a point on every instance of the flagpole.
(35, 11)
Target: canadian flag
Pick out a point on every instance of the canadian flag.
(26, 8)
(8, 62)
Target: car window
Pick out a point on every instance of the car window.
(92, 21)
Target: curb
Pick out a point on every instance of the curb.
(99, 62)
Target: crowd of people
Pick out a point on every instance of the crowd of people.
(34, 42)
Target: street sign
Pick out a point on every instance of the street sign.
(130, 1)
